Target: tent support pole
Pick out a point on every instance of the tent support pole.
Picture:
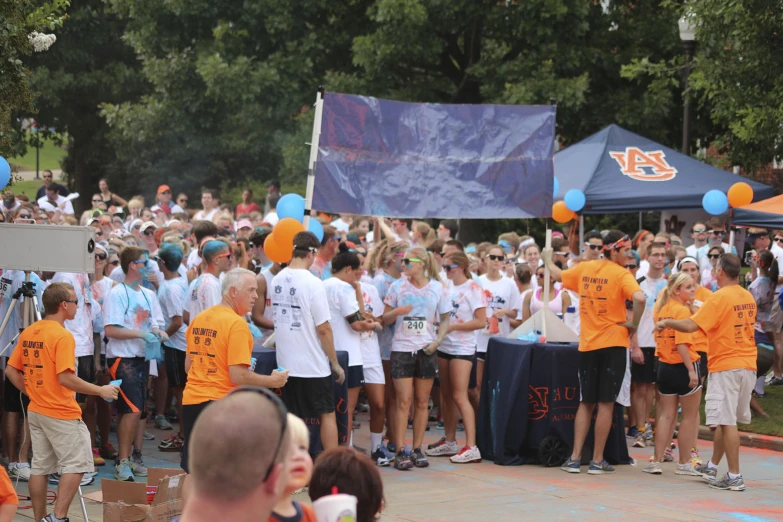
(581, 234)
(640, 220)
(547, 245)
(319, 107)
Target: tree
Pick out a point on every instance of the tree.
(22, 27)
(90, 65)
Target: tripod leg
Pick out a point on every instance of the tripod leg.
(84, 508)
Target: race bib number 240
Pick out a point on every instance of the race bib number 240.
(414, 326)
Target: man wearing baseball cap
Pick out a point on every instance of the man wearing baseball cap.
(163, 199)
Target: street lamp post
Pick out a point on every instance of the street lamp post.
(688, 37)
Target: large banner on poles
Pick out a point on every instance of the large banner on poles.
(387, 158)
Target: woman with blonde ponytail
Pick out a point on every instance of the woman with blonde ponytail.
(413, 305)
(468, 313)
(386, 265)
(678, 378)
(423, 234)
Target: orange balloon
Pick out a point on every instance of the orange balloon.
(277, 252)
(740, 194)
(285, 230)
(561, 213)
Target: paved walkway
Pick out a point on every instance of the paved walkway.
(28, 175)
(486, 492)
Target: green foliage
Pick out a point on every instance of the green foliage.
(18, 20)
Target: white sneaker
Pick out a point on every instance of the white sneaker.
(20, 470)
(443, 449)
(466, 455)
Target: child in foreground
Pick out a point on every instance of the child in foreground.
(300, 469)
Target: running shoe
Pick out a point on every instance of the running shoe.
(571, 466)
(730, 484)
(172, 416)
(391, 448)
(707, 473)
(362, 407)
(653, 468)
(439, 425)
(775, 381)
(162, 423)
(123, 471)
(108, 451)
(442, 448)
(148, 436)
(640, 442)
(695, 458)
(51, 518)
(97, 460)
(467, 455)
(173, 443)
(599, 468)
(687, 469)
(668, 453)
(137, 464)
(382, 456)
(419, 460)
(633, 432)
(87, 479)
(402, 461)
(648, 432)
(436, 444)
(20, 470)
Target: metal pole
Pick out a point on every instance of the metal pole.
(581, 235)
(319, 107)
(37, 155)
(686, 106)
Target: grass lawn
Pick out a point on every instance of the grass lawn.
(27, 187)
(772, 404)
(50, 157)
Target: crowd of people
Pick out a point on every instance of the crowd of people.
(167, 325)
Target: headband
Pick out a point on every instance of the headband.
(687, 259)
(641, 236)
(623, 242)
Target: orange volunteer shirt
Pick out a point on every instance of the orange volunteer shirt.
(217, 338)
(45, 350)
(7, 493)
(603, 289)
(666, 340)
(700, 338)
(728, 317)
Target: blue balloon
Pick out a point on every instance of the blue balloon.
(575, 200)
(5, 172)
(291, 206)
(316, 228)
(715, 202)
(556, 188)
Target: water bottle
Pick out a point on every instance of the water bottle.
(571, 319)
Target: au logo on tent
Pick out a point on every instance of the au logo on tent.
(644, 166)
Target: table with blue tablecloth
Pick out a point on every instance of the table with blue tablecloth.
(267, 362)
(529, 398)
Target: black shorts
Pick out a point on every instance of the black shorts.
(673, 379)
(175, 367)
(190, 413)
(355, 376)
(702, 364)
(308, 397)
(472, 358)
(134, 372)
(85, 370)
(13, 399)
(601, 374)
(648, 371)
(405, 365)
(481, 356)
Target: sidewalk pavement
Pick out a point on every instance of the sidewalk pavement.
(485, 491)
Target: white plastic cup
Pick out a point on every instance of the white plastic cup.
(335, 508)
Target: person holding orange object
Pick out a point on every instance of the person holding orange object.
(604, 287)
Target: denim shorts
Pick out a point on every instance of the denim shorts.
(134, 372)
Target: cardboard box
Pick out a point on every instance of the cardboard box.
(128, 501)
